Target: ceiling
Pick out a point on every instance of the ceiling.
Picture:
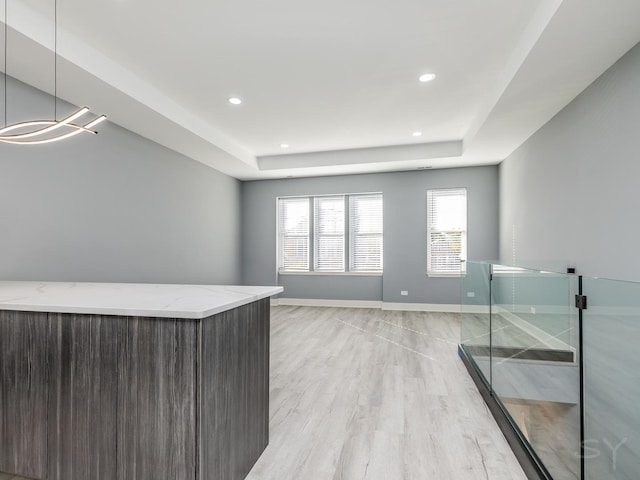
(337, 81)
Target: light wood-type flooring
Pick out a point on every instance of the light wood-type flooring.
(364, 394)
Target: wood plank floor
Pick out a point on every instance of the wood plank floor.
(363, 394)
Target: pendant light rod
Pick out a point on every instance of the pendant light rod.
(76, 130)
(55, 59)
(49, 126)
(6, 28)
(46, 131)
(55, 125)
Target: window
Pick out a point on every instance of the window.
(446, 231)
(365, 221)
(293, 228)
(344, 230)
(328, 234)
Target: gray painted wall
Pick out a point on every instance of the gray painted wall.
(570, 193)
(112, 207)
(405, 225)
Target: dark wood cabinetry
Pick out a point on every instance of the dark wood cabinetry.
(24, 390)
(132, 398)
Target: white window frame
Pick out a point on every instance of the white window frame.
(431, 229)
(317, 236)
(313, 241)
(376, 236)
(302, 236)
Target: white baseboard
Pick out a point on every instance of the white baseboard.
(481, 309)
(319, 302)
(408, 307)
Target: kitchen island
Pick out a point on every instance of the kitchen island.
(105, 381)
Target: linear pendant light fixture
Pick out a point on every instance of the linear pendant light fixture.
(36, 132)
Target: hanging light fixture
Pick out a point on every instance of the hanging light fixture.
(35, 132)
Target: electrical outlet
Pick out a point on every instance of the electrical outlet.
(471, 294)
(404, 292)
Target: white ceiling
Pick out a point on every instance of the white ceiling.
(334, 76)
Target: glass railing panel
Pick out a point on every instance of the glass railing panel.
(555, 266)
(534, 370)
(611, 334)
(474, 316)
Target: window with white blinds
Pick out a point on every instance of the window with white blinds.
(293, 234)
(365, 222)
(328, 222)
(446, 231)
(345, 232)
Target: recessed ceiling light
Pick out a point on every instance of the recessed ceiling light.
(417, 134)
(235, 101)
(284, 145)
(427, 77)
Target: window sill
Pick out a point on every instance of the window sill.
(445, 275)
(334, 274)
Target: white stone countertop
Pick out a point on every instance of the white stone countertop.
(129, 299)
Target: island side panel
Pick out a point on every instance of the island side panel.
(83, 396)
(157, 400)
(234, 391)
(23, 393)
